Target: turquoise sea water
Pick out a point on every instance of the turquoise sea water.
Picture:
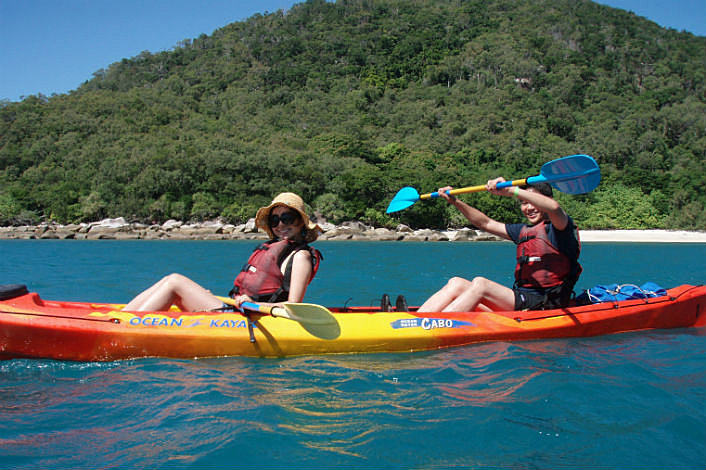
(632, 400)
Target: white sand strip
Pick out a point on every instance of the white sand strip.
(655, 236)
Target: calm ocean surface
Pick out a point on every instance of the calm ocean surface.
(625, 401)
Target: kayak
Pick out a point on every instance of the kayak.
(31, 327)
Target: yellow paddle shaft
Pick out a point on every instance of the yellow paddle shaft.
(471, 189)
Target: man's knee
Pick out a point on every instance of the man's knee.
(458, 284)
(480, 284)
(486, 288)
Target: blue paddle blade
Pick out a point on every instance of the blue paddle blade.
(575, 174)
(404, 198)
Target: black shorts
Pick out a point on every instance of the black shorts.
(535, 299)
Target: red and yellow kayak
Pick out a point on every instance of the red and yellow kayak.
(31, 327)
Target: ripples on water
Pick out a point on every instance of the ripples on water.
(623, 401)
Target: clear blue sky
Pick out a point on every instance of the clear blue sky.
(53, 46)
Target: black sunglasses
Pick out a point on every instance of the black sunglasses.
(287, 218)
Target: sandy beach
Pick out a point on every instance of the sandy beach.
(650, 236)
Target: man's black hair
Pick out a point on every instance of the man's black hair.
(543, 188)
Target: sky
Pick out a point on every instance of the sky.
(53, 46)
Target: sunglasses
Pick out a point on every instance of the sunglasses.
(287, 218)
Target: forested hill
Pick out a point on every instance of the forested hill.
(347, 102)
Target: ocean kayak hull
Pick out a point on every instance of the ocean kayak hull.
(31, 327)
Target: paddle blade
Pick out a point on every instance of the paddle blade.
(315, 319)
(404, 198)
(575, 174)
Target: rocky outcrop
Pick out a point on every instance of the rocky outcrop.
(120, 229)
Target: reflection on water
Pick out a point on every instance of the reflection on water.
(338, 411)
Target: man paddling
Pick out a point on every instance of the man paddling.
(547, 256)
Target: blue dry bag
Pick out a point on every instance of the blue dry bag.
(618, 292)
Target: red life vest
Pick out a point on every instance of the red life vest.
(540, 264)
(261, 278)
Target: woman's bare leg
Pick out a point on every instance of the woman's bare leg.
(144, 295)
(174, 289)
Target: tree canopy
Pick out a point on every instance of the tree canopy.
(347, 102)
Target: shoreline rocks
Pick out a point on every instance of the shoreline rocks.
(120, 229)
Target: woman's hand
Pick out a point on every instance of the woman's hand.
(239, 299)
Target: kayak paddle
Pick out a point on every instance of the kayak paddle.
(575, 174)
(315, 319)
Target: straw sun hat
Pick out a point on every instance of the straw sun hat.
(294, 202)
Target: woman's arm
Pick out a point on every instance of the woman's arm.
(301, 274)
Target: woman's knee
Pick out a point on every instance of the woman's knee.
(174, 280)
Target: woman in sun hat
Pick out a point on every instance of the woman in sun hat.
(309, 230)
(279, 270)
